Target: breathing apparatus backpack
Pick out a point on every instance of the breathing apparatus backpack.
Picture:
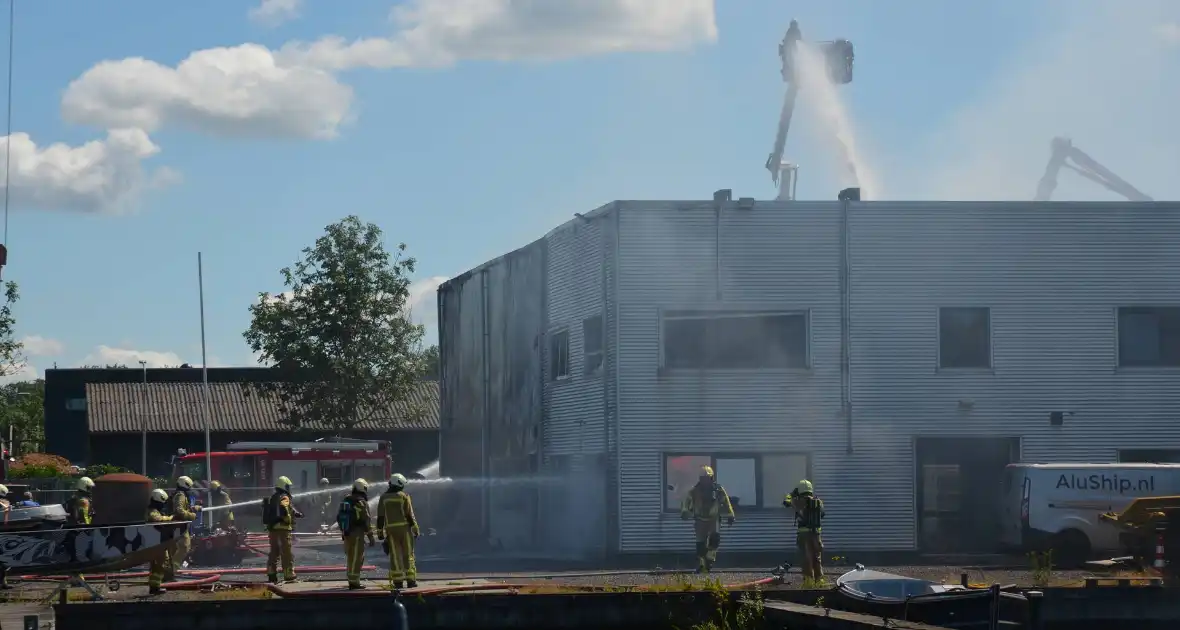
(270, 508)
(345, 515)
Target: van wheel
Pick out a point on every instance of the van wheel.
(1071, 548)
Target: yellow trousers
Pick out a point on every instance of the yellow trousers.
(354, 551)
(158, 569)
(280, 550)
(176, 558)
(706, 553)
(401, 553)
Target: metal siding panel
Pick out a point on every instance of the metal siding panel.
(1053, 275)
(772, 257)
(575, 406)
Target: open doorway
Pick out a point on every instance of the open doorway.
(959, 482)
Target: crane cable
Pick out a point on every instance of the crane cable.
(8, 137)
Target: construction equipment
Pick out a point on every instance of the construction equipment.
(1149, 531)
(838, 56)
(1062, 151)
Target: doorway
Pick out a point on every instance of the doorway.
(959, 484)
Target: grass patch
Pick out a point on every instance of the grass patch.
(1041, 565)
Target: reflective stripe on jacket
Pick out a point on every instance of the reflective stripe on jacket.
(396, 510)
(706, 503)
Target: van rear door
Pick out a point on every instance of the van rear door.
(1014, 506)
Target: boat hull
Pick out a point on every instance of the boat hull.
(89, 549)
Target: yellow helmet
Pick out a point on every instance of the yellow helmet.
(184, 482)
(283, 483)
(159, 496)
(215, 486)
(397, 481)
(85, 484)
(804, 487)
(3, 490)
(361, 486)
(707, 471)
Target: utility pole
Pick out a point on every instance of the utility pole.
(143, 416)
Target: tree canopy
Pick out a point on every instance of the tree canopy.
(339, 337)
(12, 356)
(22, 406)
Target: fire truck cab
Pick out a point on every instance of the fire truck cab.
(250, 468)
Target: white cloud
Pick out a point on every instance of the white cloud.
(1101, 79)
(275, 12)
(249, 90)
(106, 355)
(98, 176)
(26, 372)
(238, 91)
(1170, 32)
(443, 32)
(36, 345)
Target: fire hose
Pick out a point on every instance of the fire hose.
(461, 588)
(200, 574)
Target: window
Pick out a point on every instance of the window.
(371, 469)
(76, 404)
(1149, 336)
(592, 345)
(337, 472)
(964, 337)
(559, 355)
(734, 340)
(752, 481)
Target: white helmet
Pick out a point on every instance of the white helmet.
(3, 490)
(324, 481)
(184, 482)
(283, 483)
(85, 484)
(397, 481)
(360, 485)
(159, 496)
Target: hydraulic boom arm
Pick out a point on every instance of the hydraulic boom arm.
(1084, 165)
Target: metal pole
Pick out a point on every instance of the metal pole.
(204, 375)
(143, 420)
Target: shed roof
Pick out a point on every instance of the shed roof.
(178, 408)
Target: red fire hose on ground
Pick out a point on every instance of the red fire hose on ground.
(201, 574)
(460, 588)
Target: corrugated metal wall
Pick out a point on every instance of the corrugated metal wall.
(490, 323)
(575, 431)
(1052, 274)
(669, 257)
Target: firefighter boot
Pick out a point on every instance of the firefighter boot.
(273, 578)
(398, 585)
(411, 583)
(157, 590)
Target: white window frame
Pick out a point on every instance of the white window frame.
(716, 313)
(991, 338)
(554, 335)
(759, 473)
(600, 353)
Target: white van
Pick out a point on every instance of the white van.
(1056, 506)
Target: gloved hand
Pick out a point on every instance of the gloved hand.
(381, 535)
(415, 531)
(197, 508)
(297, 513)
(729, 520)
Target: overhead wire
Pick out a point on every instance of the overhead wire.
(8, 137)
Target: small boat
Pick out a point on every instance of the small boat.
(904, 598)
(29, 518)
(44, 547)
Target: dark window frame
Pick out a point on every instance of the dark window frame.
(949, 360)
(559, 345)
(1168, 336)
(593, 357)
(796, 359)
(759, 474)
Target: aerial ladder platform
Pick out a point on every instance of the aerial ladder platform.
(1063, 154)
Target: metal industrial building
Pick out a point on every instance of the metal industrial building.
(898, 354)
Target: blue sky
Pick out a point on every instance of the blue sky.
(466, 128)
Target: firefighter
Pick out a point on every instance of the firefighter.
(80, 506)
(181, 508)
(356, 524)
(279, 516)
(809, 514)
(219, 498)
(157, 507)
(325, 505)
(398, 529)
(706, 504)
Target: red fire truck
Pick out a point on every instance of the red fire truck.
(251, 467)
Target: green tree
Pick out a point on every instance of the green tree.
(429, 362)
(12, 355)
(339, 338)
(22, 407)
